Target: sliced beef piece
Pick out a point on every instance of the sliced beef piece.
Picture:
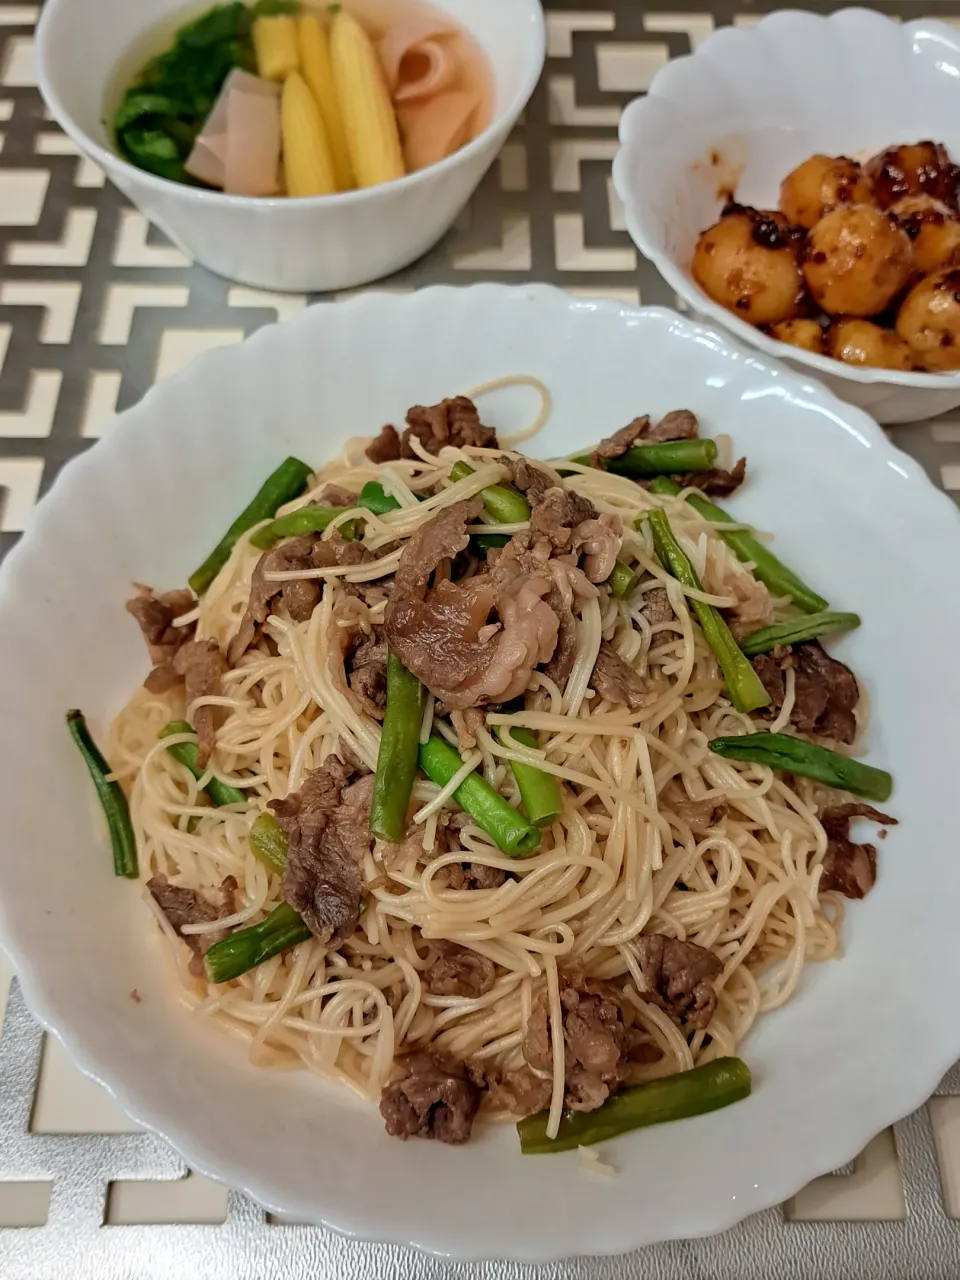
(679, 977)
(849, 868)
(187, 906)
(335, 496)
(201, 665)
(470, 875)
(434, 1097)
(457, 971)
(155, 615)
(754, 611)
(455, 422)
(472, 641)
(825, 690)
(558, 513)
(467, 724)
(328, 826)
(598, 542)
(329, 553)
(521, 1093)
(529, 479)
(385, 447)
(594, 1033)
(700, 815)
(657, 607)
(717, 483)
(570, 589)
(614, 680)
(678, 424)
(367, 674)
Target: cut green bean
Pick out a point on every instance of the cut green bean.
(286, 483)
(398, 754)
(773, 573)
(188, 753)
(621, 582)
(539, 791)
(706, 1088)
(783, 752)
(249, 947)
(662, 459)
(373, 497)
(268, 843)
(797, 630)
(507, 828)
(743, 684)
(302, 521)
(111, 797)
(506, 504)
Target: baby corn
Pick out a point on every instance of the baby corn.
(275, 45)
(307, 161)
(371, 126)
(316, 70)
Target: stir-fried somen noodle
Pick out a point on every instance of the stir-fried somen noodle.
(657, 836)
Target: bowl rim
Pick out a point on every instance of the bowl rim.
(113, 162)
(632, 134)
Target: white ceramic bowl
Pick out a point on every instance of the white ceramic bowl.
(309, 245)
(749, 106)
(864, 1040)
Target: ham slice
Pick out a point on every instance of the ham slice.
(239, 146)
(433, 130)
(417, 59)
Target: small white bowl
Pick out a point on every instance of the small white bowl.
(749, 106)
(308, 245)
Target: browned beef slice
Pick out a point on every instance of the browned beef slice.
(614, 680)
(366, 671)
(769, 669)
(531, 480)
(699, 815)
(454, 422)
(435, 1097)
(155, 615)
(457, 971)
(595, 1038)
(558, 513)
(657, 607)
(717, 483)
(680, 977)
(849, 868)
(598, 542)
(201, 664)
(187, 906)
(289, 556)
(336, 550)
(522, 1093)
(386, 446)
(825, 690)
(327, 824)
(679, 424)
(469, 875)
(335, 496)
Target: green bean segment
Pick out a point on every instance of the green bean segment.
(302, 521)
(539, 791)
(506, 504)
(797, 630)
(783, 752)
(188, 753)
(247, 948)
(622, 580)
(667, 458)
(268, 843)
(398, 754)
(111, 797)
(507, 828)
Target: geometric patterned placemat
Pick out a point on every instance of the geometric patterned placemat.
(95, 305)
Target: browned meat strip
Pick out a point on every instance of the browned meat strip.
(679, 424)
(657, 607)
(614, 680)
(768, 668)
(328, 825)
(457, 971)
(531, 480)
(849, 868)
(752, 612)
(386, 446)
(522, 1093)
(717, 483)
(699, 815)
(444, 634)
(155, 615)
(333, 551)
(334, 496)
(558, 513)
(366, 669)
(470, 875)
(187, 906)
(455, 422)
(825, 690)
(595, 1038)
(201, 664)
(598, 541)
(680, 977)
(435, 1097)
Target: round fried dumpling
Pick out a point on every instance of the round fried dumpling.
(856, 341)
(857, 261)
(913, 169)
(748, 263)
(820, 184)
(806, 334)
(929, 321)
(933, 228)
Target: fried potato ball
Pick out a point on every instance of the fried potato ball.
(748, 263)
(913, 169)
(857, 261)
(929, 321)
(821, 183)
(856, 341)
(800, 333)
(933, 228)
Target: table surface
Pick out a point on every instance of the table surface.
(94, 307)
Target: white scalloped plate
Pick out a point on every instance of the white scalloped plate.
(865, 1040)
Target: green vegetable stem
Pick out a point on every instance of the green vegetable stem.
(509, 830)
(268, 843)
(506, 504)
(286, 483)
(302, 521)
(743, 684)
(373, 497)
(187, 753)
(783, 752)
(775, 575)
(111, 797)
(622, 580)
(399, 750)
(539, 791)
(667, 458)
(690, 1093)
(247, 948)
(797, 630)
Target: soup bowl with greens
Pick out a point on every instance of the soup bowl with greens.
(289, 145)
